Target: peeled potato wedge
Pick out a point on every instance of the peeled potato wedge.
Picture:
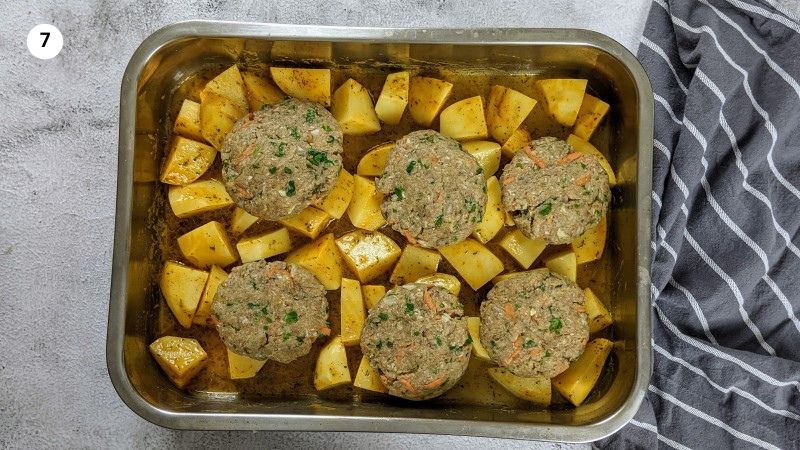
(186, 161)
(181, 358)
(187, 124)
(309, 222)
(533, 389)
(464, 120)
(364, 210)
(352, 108)
(487, 153)
(592, 112)
(518, 139)
(241, 367)
(321, 257)
(599, 317)
(337, 201)
(494, 215)
(228, 84)
(367, 378)
(563, 263)
(474, 262)
(577, 381)
(426, 96)
(589, 246)
(414, 263)
(332, 370)
(373, 163)
(522, 248)
(260, 91)
(313, 85)
(202, 316)
(444, 281)
(241, 220)
(368, 254)
(474, 328)
(372, 294)
(563, 98)
(182, 287)
(352, 312)
(218, 114)
(264, 245)
(208, 245)
(583, 146)
(198, 197)
(506, 111)
(393, 98)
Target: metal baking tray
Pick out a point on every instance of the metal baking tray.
(170, 55)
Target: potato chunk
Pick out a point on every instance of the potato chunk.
(368, 254)
(352, 312)
(186, 161)
(208, 245)
(589, 246)
(415, 262)
(464, 120)
(218, 114)
(337, 201)
(332, 369)
(393, 99)
(563, 263)
(313, 85)
(309, 222)
(180, 358)
(320, 257)
(373, 163)
(591, 113)
(372, 294)
(228, 84)
(187, 124)
(583, 146)
(506, 111)
(241, 367)
(474, 328)
(182, 287)
(352, 108)
(522, 248)
(241, 220)
(426, 96)
(364, 210)
(563, 98)
(475, 263)
(264, 245)
(533, 389)
(198, 197)
(599, 317)
(367, 378)
(494, 215)
(444, 281)
(260, 91)
(519, 138)
(577, 381)
(202, 316)
(487, 153)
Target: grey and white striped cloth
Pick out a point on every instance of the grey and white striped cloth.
(726, 221)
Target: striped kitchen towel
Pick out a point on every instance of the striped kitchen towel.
(726, 215)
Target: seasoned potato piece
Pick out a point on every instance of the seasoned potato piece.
(563, 263)
(332, 370)
(187, 124)
(309, 222)
(444, 281)
(338, 200)
(182, 287)
(583, 146)
(474, 328)
(599, 316)
(627, 170)
(228, 84)
(577, 381)
(414, 263)
(198, 197)
(464, 120)
(364, 210)
(241, 220)
(509, 219)
(591, 113)
(241, 367)
(186, 161)
(426, 96)
(352, 108)
(506, 111)
(368, 379)
(372, 294)
(260, 91)
(264, 245)
(533, 389)
(494, 215)
(181, 358)
(368, 254)
(313, 85)
(487, 153)
(202, 316)
(589, 246)
(393, 99)
(208, 245)
(522, 248)
(218, 114)
(320, 257)
(352, 312)
(563, 98)
(519, 138)
(373, 163)
(475, 263)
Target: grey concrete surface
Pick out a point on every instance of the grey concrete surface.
(58, 147)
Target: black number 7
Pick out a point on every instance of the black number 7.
(46, 35)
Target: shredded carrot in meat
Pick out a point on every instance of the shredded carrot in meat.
(508, 180)
(509, 310)
(580, 181)
(436, 382)
(243, 193)
(570, 157)
(325, 330)
(426, 297)
(245, 154)
(534, 157)
(580, 309)
(536, 352)
(409, 237)
(517, 349)
(439, 197)
(407, 384)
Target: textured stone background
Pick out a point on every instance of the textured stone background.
(58, 147)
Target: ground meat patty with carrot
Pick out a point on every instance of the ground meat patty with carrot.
(434, 191)
(282, 158)
(271, 310)
(553, 192)
(417, 341)
(534, 323)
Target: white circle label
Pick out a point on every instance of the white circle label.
(45, 41)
